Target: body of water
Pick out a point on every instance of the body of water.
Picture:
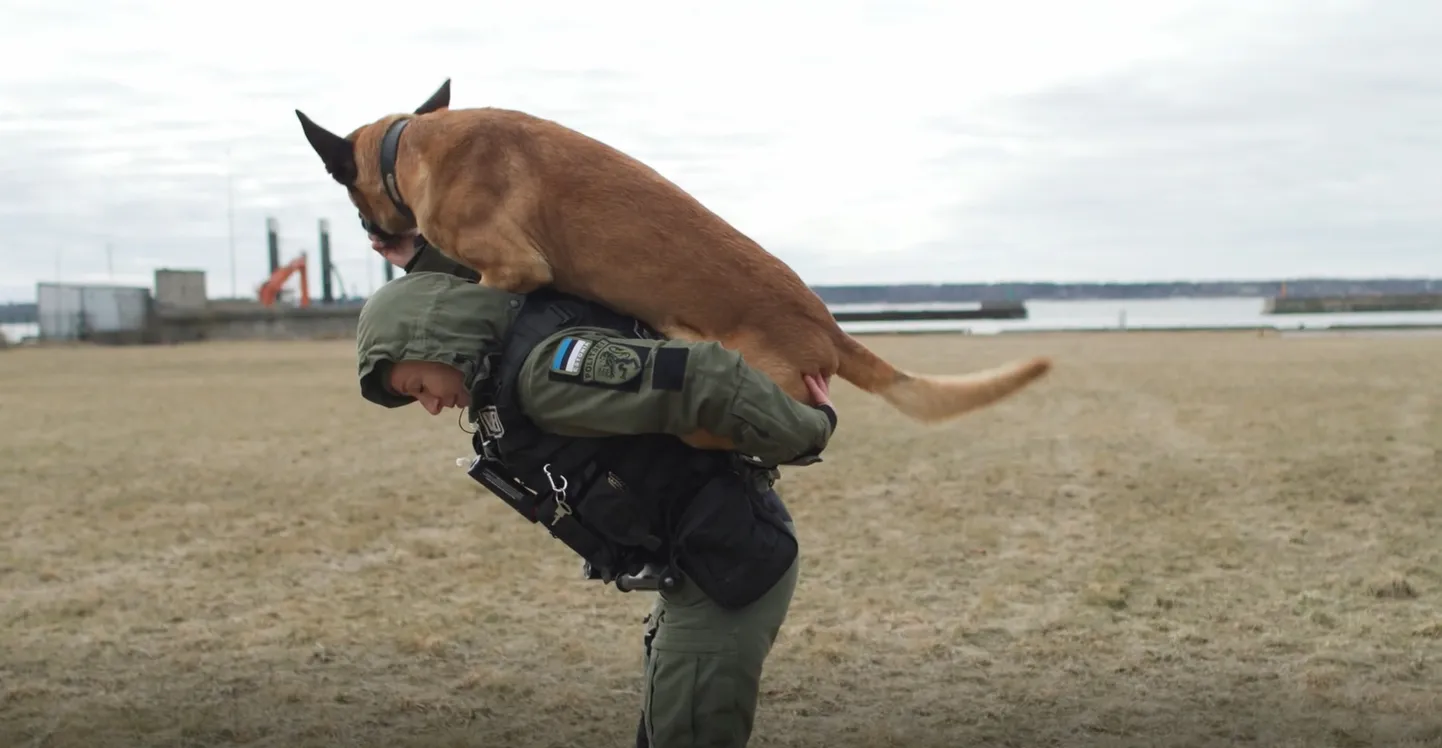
(1141, 314)
(1135, 314)
(16, 332)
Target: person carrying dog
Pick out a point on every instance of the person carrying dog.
(583, 407)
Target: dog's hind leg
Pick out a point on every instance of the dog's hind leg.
(777, 368)
(700, 439)
(777, 365)
(703, 439)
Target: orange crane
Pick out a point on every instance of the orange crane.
(272, 287)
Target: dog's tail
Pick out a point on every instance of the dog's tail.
(931, 398)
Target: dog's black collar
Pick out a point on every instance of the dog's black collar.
(390, 144)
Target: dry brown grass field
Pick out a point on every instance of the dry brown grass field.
(1177, 539)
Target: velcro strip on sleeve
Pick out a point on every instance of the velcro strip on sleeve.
(670, 369)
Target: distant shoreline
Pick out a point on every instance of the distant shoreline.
(945, 293)
(1030, 291)
(917, 293)
(1427, 329)
(1381, 329)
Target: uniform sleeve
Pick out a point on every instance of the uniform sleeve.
(579, 383)
(428, 259)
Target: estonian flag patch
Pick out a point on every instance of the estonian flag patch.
(568, 356)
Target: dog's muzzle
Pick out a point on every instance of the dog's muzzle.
(372, 228)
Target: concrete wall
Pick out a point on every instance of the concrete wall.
(323, 322)
(1344, 304)
(258, 323)
(918, 312)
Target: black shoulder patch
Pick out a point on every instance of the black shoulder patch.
(670, 371)
(601, 363)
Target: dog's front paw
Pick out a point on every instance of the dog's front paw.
(512, 280)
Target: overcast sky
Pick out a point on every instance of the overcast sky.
(899, 141)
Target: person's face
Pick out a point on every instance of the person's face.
(435, 386)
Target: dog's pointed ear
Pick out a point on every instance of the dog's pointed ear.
(438, 101)
(337, 153)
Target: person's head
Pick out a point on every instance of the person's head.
(434, 385)
(420, 338)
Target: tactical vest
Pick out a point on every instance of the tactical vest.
(622, 502)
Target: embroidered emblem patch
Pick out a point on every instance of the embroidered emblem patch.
(599, 363)
(569, 355)
(611, 364)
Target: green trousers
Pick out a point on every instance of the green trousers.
(703, 663)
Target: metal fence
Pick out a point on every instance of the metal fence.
(77, 312)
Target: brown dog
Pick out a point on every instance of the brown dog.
(527, 202)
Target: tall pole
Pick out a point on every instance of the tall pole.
(109, 243)
(230, 216)
(272, 240)
(325, 290)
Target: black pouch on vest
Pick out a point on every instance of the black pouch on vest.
(730, 545)
(612, 510)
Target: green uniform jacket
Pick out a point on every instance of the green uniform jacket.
(584, 381)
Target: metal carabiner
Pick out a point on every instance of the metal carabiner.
(559, 490)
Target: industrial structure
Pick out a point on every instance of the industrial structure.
(270, 290)
(179, 290)
(178, 308)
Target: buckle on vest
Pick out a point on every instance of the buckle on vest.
(485, 446)
(489, 418)
(652, 578)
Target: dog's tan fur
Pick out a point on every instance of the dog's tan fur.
(527, 202)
